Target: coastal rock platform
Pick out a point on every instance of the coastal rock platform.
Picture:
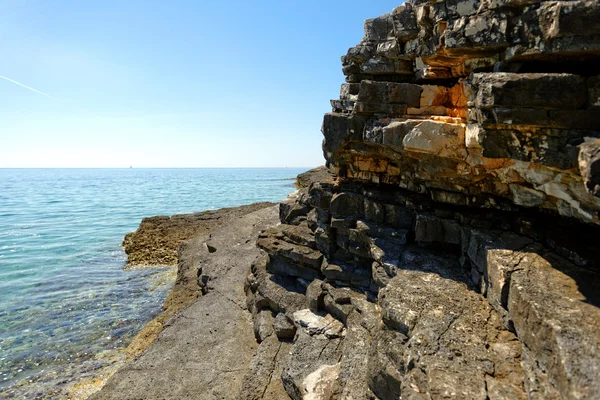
(157, 240)
(203, 351)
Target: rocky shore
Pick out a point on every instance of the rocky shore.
(157, 240)
(449, 250)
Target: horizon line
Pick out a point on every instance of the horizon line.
(264, 167)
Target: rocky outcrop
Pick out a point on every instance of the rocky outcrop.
(157, 239)
(318, 174)
(486, 103)
(205, 349)
(451, 250)
(452, 253)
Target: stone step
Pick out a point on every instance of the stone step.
(347, 274)
(282, 242)
(277, 293)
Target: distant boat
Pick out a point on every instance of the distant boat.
(131, 166)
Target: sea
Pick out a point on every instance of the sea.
(67, 306)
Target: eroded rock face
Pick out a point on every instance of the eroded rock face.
(456, 303)
(496, 99)
(453, 253)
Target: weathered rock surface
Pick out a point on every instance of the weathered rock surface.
(457, 303)
(452, 252)
(456, 248)
(157, 240)
(492, 101)
(319, 174)
(205, 349)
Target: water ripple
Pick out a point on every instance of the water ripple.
(64, 297)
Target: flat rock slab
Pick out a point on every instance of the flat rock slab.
(319, 174)
(205, 350)
(157, 239)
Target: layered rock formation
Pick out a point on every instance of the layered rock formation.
(454, 253)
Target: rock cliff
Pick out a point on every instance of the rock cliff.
(453, 253)
(452, 250)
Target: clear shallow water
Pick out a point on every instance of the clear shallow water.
(64, 296)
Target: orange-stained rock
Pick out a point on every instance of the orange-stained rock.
(456, 96)
(427, 110)
(457, 113)
(433, 95)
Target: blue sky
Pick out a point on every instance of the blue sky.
(172, 84)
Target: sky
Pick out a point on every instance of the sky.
(171, 84)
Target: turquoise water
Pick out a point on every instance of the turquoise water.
(64, 296)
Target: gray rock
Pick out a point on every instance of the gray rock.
(257, 380)
(589, 165)
(278, 243)
(429, 229)
(318, 324)
(263, 325)
(405, 22)
(337, 310)
(434, 311)
(291, 211)
(319, 175)
(277, 293)
(378, 29)
(308, 355)
(339, 129)
(354, 373)
(551, 320)
(213, 335)
(385, 365)
(529, 90)
(284, 328)
(315, 295)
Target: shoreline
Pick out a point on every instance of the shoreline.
(183, 292)
(162, 240)
(190, 232)
(203, 288)
(183, 227)
(64, 378)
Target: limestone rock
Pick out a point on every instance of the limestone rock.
(308, 367)
(283, 327)
(315, 324)
(557, 322)
(319, 384)
(515, 119)
(589, 166)
(449, 247)
(315, 175)
(157, 240)
(450, 333)
(263, 325)
(315, 295)
(279, 244)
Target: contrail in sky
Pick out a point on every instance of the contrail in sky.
(28, 88)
